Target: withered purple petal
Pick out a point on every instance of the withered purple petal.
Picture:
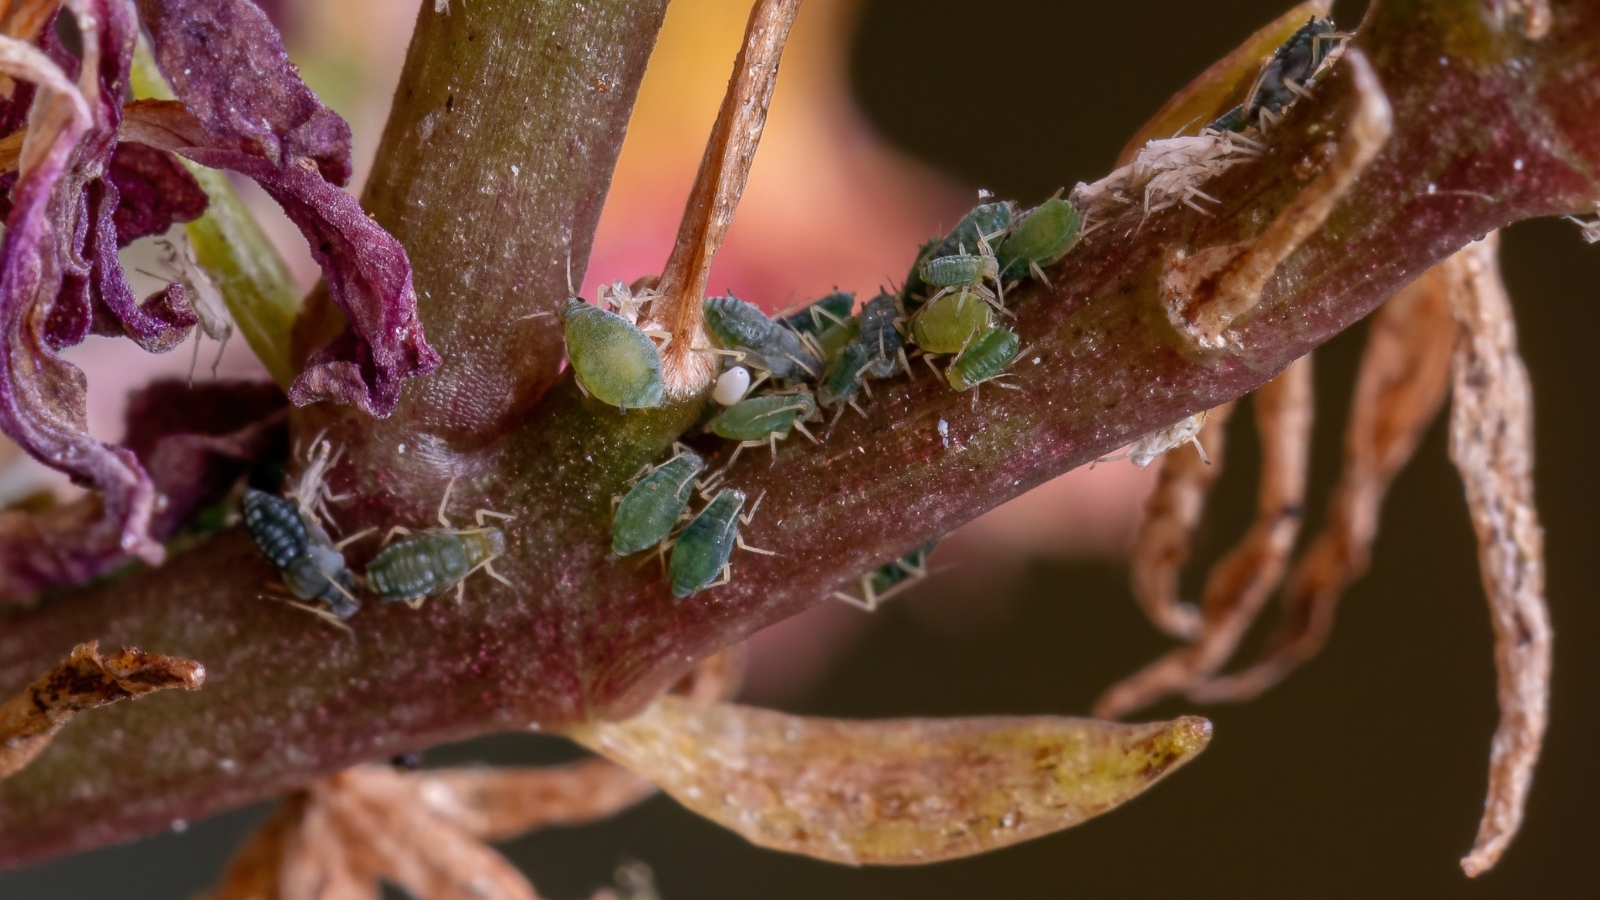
(154, 192)
(226, 63)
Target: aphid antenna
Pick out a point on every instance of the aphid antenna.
(801, 363)
(323, 614)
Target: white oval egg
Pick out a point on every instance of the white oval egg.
(731, 386)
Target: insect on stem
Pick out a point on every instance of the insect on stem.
(730, 151)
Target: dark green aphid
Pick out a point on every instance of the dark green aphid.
(830, 342)
(1292, 67)
(881, 336)
(1038, 239)
(887, 580)
(843, 378)
(952, 322)
(433, 561)
(613, 360)
(986, 220)
(987, 358)
(820, 315)
(916, 291)
(764, 420)
(306, 558)
(701, 552)
(650, 510)
(758, 341)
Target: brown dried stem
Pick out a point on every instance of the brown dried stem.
(730, 151)
(1161, 547)
(84, 680)
(1404, 374)
(1491, 443)
(1241, 582)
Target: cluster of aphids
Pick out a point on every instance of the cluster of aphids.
(780, 373)
(290, 534)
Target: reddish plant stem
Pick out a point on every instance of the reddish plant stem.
(585, 635)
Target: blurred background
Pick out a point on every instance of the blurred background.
(1363, 772)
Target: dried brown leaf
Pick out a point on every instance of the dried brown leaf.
(497, 804)
(730, 151)
(1491, 443)
(1207, 290)
(84, 680)
(317, 862)
(1404, 374)
(1170, 515)
(1241, 582)
(893, 791)
(1223, 83)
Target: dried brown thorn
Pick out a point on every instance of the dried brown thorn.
(685, 366)
(84, 680)
(1241, 582)
(1205, 291)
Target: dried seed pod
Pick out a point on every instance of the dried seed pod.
(986, 359)
(306, 558)
(951, 323)
(613, 359)
(1042, 236)
(648, 512)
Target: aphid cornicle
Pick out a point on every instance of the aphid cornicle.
(651, 508)
(1042, 236)
(614, 361)
(702, 551)
(987, 358)
(754, 339)
(306, 558)
(433, 561)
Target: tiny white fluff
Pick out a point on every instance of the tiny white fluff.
(731, 386)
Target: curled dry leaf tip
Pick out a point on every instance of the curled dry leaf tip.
(84, 680)
(1491, 443)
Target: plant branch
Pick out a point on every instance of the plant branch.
(583, 635)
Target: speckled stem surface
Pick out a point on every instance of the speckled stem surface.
(1489, 128)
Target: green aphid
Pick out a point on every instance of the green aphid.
(986, 220)
(764, 420)
(833, 340)
(820, 315)
(960, 270)
(987, 358)
(880, 334)
(952, 322)
(701, 552)
(1041, 237)
(758, 341)
(887, 580)
(614, 361)
(843, 378)
(433, 561)
(650, 510)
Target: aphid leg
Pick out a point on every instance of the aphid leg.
(415, 602)
(746, 518)
(445, 502)
(724, 578)
(322, 614)
(581, 389)
(868, 605)
(772, 444)
(398, 529)
(482, 514)
(857, 407)
(905, 363)
(739, 539)
(1296, 88)
(488, 569)
(1038, 273)
(353, 538)
(866, 388)
(936, 373)
(665, 337)
(800, 426)
(802, 364)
